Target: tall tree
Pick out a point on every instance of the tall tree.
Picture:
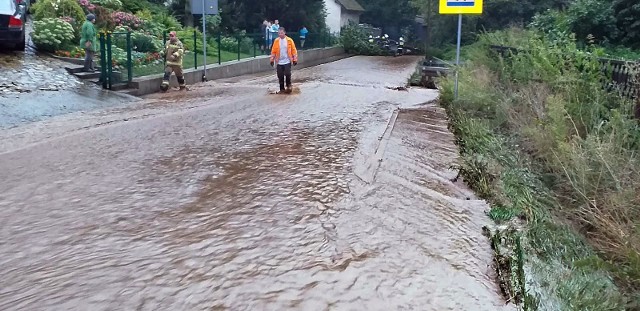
(627, 14)
(497, 14)
(593, 17)
(249, 14)
(388, 13)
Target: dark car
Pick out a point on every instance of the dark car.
(13, 19)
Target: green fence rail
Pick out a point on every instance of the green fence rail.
(116, 60)
(127, 55)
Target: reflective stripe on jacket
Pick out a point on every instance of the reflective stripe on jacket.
(291, 50)
(171, 48)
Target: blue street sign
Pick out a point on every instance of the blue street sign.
(463, 3)
(461, 6)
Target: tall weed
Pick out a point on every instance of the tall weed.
(542, 139)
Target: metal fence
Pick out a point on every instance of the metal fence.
(125, 55)
(116, 63)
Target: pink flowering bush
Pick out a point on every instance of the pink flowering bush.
(128, 20)
(87, 6)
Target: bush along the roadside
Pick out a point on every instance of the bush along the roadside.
(52, 34)
(44, 9)
(556, 156)
(355, 40)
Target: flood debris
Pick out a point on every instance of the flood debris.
(508, 263)
(13, 88)
(398, 88)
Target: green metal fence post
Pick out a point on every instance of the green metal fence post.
(195, 49)
(129, 60)
(254, 46)
(219, 39)
(103, 61)
(109, 61)
(238, 40)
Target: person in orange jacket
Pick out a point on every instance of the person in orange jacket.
(284, 52)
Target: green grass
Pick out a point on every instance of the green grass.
(189, 62)
(551, 249)
(519, 162)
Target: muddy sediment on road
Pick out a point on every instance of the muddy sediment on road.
(338, 198)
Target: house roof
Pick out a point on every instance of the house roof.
(351, 5)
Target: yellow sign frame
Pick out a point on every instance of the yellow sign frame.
(476, 8)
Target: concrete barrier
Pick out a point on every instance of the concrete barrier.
(151, 84)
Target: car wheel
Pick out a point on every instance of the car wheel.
(21, 45)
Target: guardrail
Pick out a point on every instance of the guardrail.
(433, 68)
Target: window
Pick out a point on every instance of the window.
(7, 7)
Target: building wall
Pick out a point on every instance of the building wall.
(349, 16)
(334, 15)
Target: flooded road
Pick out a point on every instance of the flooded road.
(226, 198)
(35, 86)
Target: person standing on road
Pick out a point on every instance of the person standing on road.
(174, 50)
(267, 37)
(88, 42)
(303, 36)
(264, 36)
(285, 53)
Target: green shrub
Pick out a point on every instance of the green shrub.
(213, 23)
(186, 37)
(355, 40)
(59, 8)
(620, 52)
(134, 6)
(118, 56)
(230, 44)
(146, 43)
(152, 28)
(144, 14)
(109, 4)
(168, 22)
(140, 41)
(52, 34)
(104, 19)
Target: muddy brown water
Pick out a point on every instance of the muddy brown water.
(331, 199)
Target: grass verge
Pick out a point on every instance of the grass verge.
(557, 158)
